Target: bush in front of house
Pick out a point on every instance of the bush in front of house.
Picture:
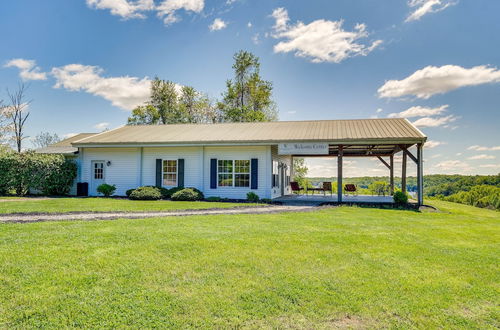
(400, 198)
(146, 193)
(214, 199)
(129, 191)
(188, 194)
(252, 197)
(50, 174)
(106, 189)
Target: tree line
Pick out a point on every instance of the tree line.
(247, 98)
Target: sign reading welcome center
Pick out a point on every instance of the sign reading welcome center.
(303, 149)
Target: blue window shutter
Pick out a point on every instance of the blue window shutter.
(213, 173)
(158, 172)
(254, 173)
(180, 173)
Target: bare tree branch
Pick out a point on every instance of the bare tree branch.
(18, 113)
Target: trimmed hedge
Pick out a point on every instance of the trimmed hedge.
(188, 194)
(146, 194)
(50, 174)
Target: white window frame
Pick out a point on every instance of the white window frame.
(234, 173)
(163, 172)
(93, 162)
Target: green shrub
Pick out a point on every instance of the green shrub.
(50, 174)
(400, 197)
(169, 192)
(214, 199)
(106, 189)
(252, 197)
(145, 194)
(266, 200)
(187, 194)
(129, 191)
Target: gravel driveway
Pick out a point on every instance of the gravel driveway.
(5, 218)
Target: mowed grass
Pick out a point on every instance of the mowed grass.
(338, 267)
(71, 204)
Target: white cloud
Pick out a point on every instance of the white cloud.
(432, 144)
(433, 80)
(101, 126)
(482, 156)
(28, 69)
(320, 40)
(166, 9)
(419, 111)
(218, 24)
(483, 148)
(490, 165)
(423, 7)
(123, 8)
(434, 121)
(450, 165)
(379, 110)
(249, 25)
(124, 92)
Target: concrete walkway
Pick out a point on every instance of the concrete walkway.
(5, 218)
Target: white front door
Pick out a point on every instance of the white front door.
(97, 172)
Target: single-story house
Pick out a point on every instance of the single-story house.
(232, 159)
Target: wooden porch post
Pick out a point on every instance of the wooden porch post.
(403, 173)
(420, 173)
(339, 174)
(391, 170)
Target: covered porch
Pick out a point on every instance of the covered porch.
(384, 151)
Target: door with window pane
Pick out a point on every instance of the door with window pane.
(97, 175)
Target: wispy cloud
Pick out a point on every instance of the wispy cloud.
(432, 144)
(27, 69)
(419, 111)
(424, 7)
(433, 80)
(483, 148)
(320, 40)
(165, 10)
(434, 121)
(101, 126)
(481, 157)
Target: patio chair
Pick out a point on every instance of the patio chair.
(350, 188)
(296, 188)
(327, 187)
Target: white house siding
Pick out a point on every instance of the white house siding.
(285, 159)
(193, 162)
(262, 153)
(123, 171)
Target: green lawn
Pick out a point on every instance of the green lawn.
(59, 205)
(339, 267)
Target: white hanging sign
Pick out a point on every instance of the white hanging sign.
(303, 149)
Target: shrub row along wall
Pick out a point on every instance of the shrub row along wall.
(49, 174)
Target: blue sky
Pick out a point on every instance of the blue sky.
(88, 62)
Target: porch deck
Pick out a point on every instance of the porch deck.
(319, 199)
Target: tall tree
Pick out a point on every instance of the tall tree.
(44, 139)
(144, 115)
(170, 104)
(17, 113)
(248, 97)
(300, 171)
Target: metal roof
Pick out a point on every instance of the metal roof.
(65, 146)
(360, 131)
